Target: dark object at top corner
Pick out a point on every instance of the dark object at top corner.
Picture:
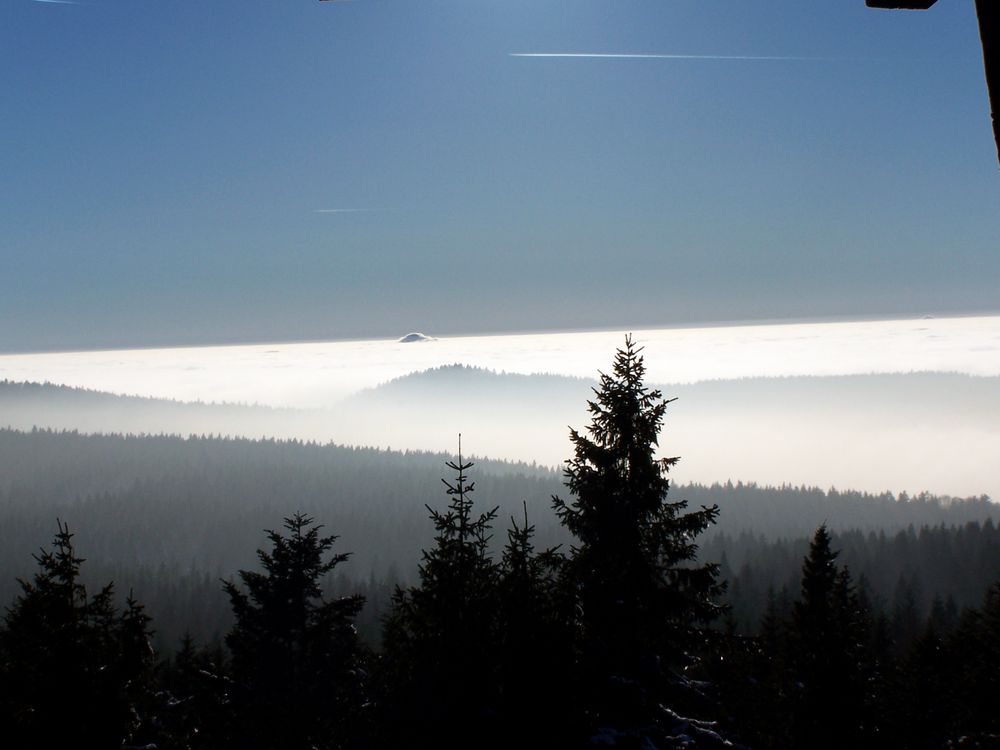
(988, 16)
(901, 4)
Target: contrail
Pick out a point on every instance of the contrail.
(58, 2)
(618, 55)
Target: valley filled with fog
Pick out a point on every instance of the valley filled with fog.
(908, 405)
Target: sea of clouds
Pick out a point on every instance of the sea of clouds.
(851, 413)
(318, 375)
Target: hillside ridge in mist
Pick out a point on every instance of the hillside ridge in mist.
(919, 431)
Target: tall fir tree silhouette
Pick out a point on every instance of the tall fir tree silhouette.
(643, 600)
(440, 635)
(296, 659)
(830, 633)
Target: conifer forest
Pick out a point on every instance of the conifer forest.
(499, 375)
(215, 593)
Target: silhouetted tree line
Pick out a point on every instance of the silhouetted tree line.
(827, 670)
(904, 576)
(618, 636)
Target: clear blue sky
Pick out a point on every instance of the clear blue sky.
(166, 167)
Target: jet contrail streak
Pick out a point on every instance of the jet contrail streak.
(617, 55)
(57, 2)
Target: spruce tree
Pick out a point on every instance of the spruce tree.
(440, 660)
(296, 660)
(643, 600)
(535, 644)
(830, 659)
(975, 656)
(194, 698)
(74, 672)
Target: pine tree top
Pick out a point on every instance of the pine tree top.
(462, 540)
(634, 560)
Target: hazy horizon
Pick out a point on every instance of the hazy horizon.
(395, 333)
(317, 374)
(830, 404)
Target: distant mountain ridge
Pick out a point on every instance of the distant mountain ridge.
(464, 381)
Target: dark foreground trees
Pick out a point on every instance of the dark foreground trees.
(296, 661)
(74, 670)
(827, 673)
(588, 647)
(477, 653)
(439, 670)
(816, 673)
(830, 657)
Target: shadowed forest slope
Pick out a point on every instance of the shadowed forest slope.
(170, 516)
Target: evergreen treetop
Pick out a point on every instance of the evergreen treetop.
(451, 610)
(439, 637)
(641, 591)
(72, 668)
(296, 660)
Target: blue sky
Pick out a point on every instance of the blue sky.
(166, 168)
